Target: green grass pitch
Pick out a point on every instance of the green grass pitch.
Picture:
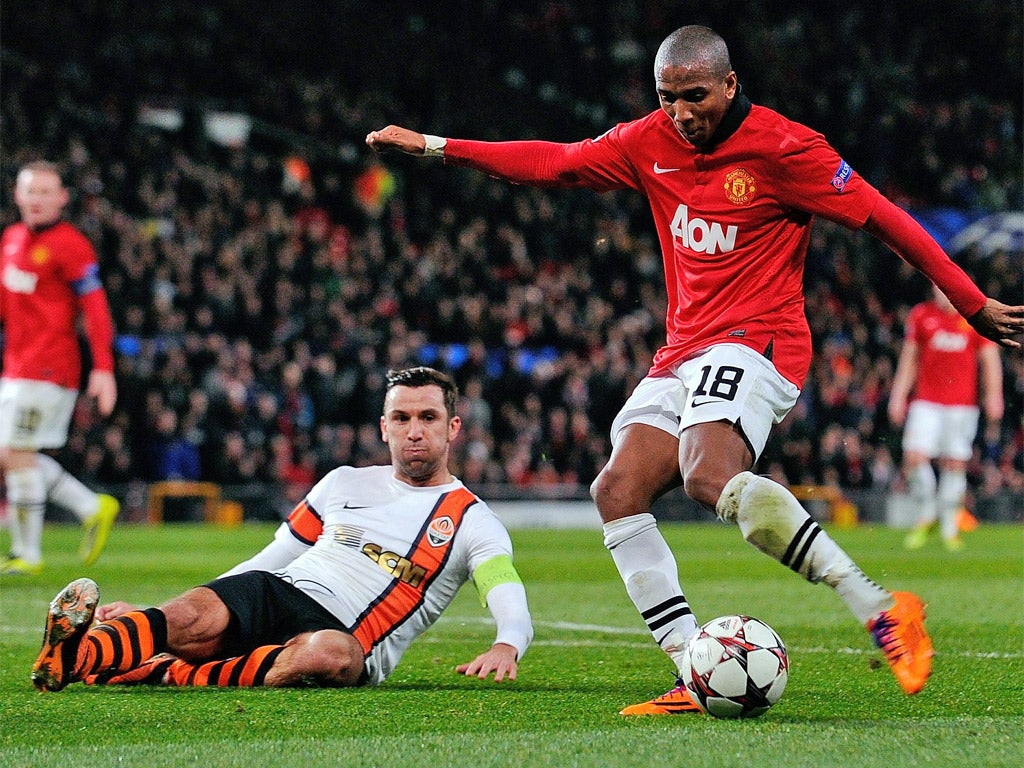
(591, 657)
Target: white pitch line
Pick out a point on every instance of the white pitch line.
(7, 630)
(609, 630)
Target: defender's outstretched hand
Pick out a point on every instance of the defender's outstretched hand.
(999, 322)
(394, 137)
(109, 611)
(500, 659)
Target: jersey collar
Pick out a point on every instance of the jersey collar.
(44, 227)
(731, 120)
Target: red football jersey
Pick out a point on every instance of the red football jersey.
(42, 276)
(947, 371)
(733, 223)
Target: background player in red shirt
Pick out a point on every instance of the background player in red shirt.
(48, 278)
(733, 189)
(939, 362)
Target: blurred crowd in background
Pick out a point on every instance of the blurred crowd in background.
(265, 269)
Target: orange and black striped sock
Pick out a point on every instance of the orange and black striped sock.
(246, 671)
(122, 643)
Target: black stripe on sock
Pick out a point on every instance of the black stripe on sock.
(669, 617)
(669, 604)
(158, 626)
(133, 639)
(236, 673)
(213, 676)
(265, 665)
(71, 658)
(791, 549)
(798, 563)
(114, 662)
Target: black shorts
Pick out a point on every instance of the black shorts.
(267, 610)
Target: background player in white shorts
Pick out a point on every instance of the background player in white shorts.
(938, 373)
(49, 278)
(364, 565)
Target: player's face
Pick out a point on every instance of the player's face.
(695, 99)
(40, 196)
(416, 427)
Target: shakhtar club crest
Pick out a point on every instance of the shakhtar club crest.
(440, 531)
(739, 186)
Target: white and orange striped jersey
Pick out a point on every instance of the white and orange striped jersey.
(387, 558)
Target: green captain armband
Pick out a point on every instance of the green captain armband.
(491, 573)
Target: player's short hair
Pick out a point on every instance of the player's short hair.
(694, 46)
(422, 376)
(43, 166)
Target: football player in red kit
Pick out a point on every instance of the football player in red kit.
(939, 363)
(733, 188)
(48, 279)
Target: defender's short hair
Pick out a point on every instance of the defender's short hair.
(422, 376)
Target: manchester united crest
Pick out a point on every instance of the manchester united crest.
(739, 186)
(39, 254)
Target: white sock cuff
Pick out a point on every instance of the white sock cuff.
(952, 485)
(65, 489)
(729, 502)
(921, 479)
(50, 468)
(25, 486)
(622, 530)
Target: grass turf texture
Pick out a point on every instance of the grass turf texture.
(591, 657)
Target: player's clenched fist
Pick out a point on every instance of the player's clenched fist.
(395, 137)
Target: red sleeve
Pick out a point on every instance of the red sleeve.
(815, 179)
(897, 229)
(99, 328)
(595, 164)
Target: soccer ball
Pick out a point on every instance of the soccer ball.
(738, 667)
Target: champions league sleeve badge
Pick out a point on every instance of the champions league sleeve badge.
(842, 176)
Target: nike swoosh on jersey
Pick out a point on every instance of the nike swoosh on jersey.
(695, 404)
(355, 506)
(659, 169)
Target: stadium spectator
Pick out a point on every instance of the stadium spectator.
(175, 457)
(740, 184)
(935, 396)
(49, 278)
(226, 216)
(328, 601)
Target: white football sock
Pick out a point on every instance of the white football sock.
(921, 485)
(773, 521)
(952, 489)
(67, 490)
(648, 569)
(26, 506)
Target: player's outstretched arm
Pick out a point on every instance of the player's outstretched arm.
(499, 659)
(999, 322)
(397, 138)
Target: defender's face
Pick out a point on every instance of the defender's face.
(40, 196)
(416, 427)
(695, 100)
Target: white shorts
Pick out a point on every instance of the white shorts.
(727, 382)
(34, 414)
(941, 431)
